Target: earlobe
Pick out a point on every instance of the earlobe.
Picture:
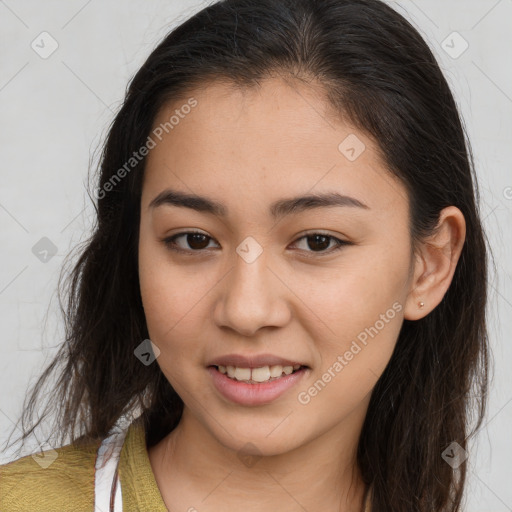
(435, 264)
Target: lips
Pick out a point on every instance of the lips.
(255, 394)
(254, 361)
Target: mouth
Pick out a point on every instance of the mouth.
(260, 375)
(256, 386)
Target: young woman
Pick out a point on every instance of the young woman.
(285, 291)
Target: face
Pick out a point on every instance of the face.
(321, 285)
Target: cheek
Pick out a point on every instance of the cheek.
(175, 303)
(358, 312)
(172, 306)
(166, 288)
(353, 294)
(353, 352)
(171, 318)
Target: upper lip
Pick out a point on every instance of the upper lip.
(252, 361)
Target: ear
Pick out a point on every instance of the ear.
(435, 263)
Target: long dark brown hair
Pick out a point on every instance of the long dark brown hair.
(378, 73)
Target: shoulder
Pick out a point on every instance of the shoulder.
(60, 479)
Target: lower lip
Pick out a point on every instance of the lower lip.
(254, 394)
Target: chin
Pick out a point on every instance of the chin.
(251, 440)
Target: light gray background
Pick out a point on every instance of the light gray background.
(55, 111)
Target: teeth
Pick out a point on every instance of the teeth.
(262, 374)
(276, 371)
(242, 373)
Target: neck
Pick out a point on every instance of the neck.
(194, 471)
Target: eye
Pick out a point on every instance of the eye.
(197, 242)
(319, 242)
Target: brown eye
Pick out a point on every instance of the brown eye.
(319, 243)
(193, 241)
(197, 241)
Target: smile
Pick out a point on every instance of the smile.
(255, 386)
(257, 375)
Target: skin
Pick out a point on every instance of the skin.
(246, 149)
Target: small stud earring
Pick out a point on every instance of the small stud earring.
(421, 304)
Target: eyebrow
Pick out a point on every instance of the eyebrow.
(278, 209)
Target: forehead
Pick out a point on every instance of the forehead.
(285, 115)
(277, 139)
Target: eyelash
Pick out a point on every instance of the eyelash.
(171, 244)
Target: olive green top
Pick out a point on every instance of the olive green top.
(64, 481)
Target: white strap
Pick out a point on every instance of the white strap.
(106, 478)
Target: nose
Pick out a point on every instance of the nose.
(252, 296)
